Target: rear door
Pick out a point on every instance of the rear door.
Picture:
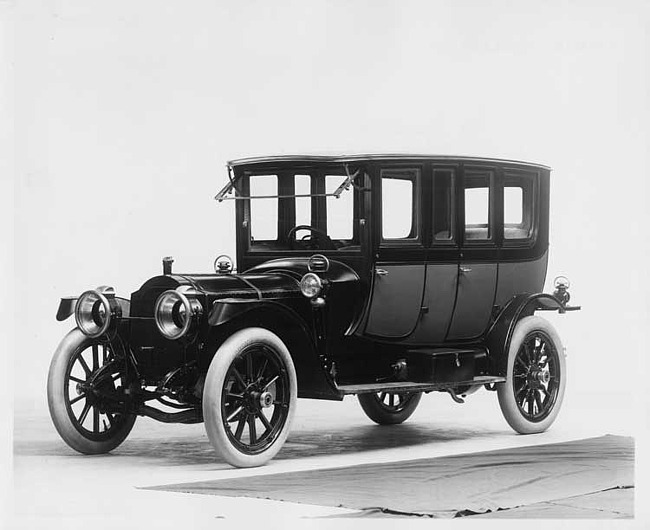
(478, 260)
(398, 276)
(443, 254)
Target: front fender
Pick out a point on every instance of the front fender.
(228, 309)
(297, 333)
(500, 333)
(68, 304)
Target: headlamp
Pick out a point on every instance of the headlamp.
(95, 310)
(175, 312)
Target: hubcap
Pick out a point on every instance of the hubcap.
(266, 400)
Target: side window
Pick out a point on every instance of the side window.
(478, 205)
(443, 205)
(399, 209)
(340, 211)
(518, 201)
(264, 212)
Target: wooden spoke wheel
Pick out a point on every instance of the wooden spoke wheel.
(531, 396)
(250, 397)
(389, 408)
(83, 391)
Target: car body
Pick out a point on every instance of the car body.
(383, 276)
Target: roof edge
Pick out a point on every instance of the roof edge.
(260, 160)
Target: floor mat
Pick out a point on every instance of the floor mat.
(448, 486)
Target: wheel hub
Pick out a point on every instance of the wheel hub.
(266, 400)
(543, 377)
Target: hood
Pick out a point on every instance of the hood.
(273, 279)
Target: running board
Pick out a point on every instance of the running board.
(406, 386)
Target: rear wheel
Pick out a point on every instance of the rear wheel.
(249, 397)
(82, 394)
(389, 408)
(531, 396)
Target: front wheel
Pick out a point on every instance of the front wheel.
(531, 396)
(389, 408)
(83, 392)
(249, 397)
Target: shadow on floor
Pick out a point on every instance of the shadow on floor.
(194, 448)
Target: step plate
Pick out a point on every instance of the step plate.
(405, 386)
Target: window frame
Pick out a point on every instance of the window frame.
(530, 198)
(416, 212)
(468, 171)
(453, 240)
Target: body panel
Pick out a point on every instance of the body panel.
(474, 300)
(520, 277)
(438, 301)
(396, 300)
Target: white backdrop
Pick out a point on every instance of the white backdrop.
(127, 112)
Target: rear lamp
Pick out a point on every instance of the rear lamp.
(562, 282)
(176, 311)
(311, 285)
(95, 310)
(561, 292)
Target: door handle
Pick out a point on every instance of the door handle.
(465, 269)
(381, 272)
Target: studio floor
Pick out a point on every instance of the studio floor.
(169, 476)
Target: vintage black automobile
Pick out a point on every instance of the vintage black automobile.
(384, 276)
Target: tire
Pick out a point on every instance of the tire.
(251, 384)
(532, 394)
(72, 398)
(381, 407)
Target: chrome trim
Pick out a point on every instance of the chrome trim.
(102, 293)
(164, 315)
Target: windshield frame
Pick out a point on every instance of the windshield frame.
(352, 181)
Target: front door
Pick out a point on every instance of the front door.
(399, 273)
(478, 262)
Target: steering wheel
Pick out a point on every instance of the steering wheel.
(321, 238)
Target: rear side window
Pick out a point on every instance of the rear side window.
(399, 207)
(478, 205)
(518, 206)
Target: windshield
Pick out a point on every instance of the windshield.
(299, 210)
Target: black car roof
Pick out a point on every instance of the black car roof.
(342, 159)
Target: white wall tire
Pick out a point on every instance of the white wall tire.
(80, 417)
(532, 394)
(250, 397)
(389, 408)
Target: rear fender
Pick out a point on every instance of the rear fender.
(500, 334)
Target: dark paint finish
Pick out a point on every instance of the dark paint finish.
(437, 304)
(474, 300)
(396, 300)
(520, 277)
